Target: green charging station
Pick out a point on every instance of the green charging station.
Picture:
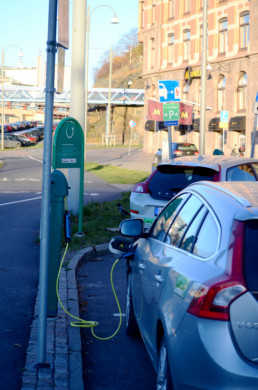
(68, 152)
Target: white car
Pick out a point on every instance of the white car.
(148, 198)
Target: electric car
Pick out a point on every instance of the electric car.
(148, 198)
(192, 287)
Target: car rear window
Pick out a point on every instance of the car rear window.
(186, 147)
(250, 254)
(169, 179)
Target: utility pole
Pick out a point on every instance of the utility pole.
(77, 104)
(203, 80)
(46, 183)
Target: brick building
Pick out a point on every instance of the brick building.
(171, 34)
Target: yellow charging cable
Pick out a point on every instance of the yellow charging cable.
(80, 323)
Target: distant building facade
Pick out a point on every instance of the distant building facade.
(171, 33)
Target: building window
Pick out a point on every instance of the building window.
(171, 41)
(171, 9)
(186, 45)
(221, 93)
(244, 30)
(241, 92)
(223, 35)
(187, 6)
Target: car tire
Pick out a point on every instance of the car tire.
(164, 381)
(130, 320)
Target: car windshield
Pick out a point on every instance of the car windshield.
(169, 179)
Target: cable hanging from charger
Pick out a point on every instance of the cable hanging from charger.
(81, 323)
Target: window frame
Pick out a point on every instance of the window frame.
(186, 44)
(244, 30)
(223, 35)
(242, 92)
(170, 48)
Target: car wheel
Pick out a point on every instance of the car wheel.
(164, 381)
(130, 320)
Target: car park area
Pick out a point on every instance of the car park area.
(24, 133)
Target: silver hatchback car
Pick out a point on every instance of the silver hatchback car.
(193, 287)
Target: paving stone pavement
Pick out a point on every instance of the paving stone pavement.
(63, 347)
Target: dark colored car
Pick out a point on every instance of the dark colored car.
(180, 149)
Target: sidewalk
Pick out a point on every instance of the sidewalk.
(64, 348)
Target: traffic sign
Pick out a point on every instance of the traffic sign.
(169, 91)
(224, 116)
(132, 124)
(171, 112)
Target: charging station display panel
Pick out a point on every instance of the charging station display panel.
(68, 145)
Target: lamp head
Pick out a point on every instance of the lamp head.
(114, 20)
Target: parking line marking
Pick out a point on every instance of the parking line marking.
(20, 201)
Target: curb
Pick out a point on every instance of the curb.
(63, 346)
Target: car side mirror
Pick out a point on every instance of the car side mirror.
(133, 227)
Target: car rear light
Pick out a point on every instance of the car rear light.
(134, 211)
(212, 300)
(143, 188)
(178, 153)
(196, 153)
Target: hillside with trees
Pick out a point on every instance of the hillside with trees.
(126, 73)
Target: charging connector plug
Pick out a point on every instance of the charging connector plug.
(67, 227)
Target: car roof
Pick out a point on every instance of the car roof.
(213, 162)
(246, 193)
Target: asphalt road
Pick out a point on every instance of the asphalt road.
(122, 362)
(20, 207)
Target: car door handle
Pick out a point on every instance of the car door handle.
(141, 266)
(158, 278)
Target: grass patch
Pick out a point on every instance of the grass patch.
(97, 217)
(116, 175)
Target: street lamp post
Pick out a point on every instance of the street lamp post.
(114, 20)
(3, 115)
(203, 80)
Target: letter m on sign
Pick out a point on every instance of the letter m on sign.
(155, 110)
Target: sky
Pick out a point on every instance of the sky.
(24, 26)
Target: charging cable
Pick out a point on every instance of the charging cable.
(80, 323)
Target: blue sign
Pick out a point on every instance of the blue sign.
(256, 97)
(171, 123)
(169, 91)
(224, 116)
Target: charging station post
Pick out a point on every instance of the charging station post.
(59, 190)
(68, 152)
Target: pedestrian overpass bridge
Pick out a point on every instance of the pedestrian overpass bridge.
(34, 96)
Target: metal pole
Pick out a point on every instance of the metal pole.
(253, 135)
(2, 129)
(86, 80)
(109, 93)
(46, 183)
(170, 155)
(77, 103)
(203, 80)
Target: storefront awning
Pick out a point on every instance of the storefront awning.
(194, 127)
(237, 123)
(214, 124)
(151, 126)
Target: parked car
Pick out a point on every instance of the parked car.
(22, 139)
(192, 287)
(10, 142)
(180, 149)
(148, 198)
